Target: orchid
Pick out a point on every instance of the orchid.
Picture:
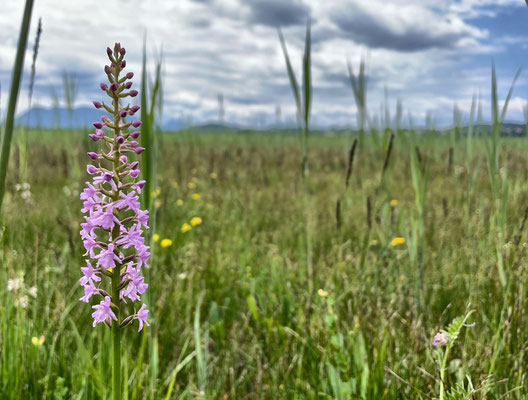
(113, 226)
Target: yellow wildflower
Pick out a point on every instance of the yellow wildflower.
(195, 196)
(158, 191)
(213, 175)
(155, 237)
(37, 341)
(191, 185)
(196, 221)
(393, 203)
(322, 293)
(397, 240)
(157, 203)
(186, 227)
(179, 202)
(166, 243)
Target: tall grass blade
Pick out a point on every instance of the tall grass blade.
(13, 96)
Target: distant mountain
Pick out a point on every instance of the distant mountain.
(52, 118)
(83, 117)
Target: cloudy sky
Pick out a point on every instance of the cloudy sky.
(430, 54)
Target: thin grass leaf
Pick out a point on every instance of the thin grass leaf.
(291, 75)
(16, 78)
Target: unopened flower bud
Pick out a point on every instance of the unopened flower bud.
(97, 104)
(133, 93)
(92, 155)
(94, 137)
(107, 69)
(123, 159)
(91, 169)
(113, 87)
(122, 64)
(109, 51)
(120, 140)
(135, 124)
(97, 125)
(104, 86)
(122, 51)
(133, 143)
(134, 165)
(134, 173)
(139, 150)
(135, 134)
(123, 113)
(128, 85)
(129, 75)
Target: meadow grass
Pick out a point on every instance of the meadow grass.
(230, 295)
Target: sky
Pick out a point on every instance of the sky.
(429, 54)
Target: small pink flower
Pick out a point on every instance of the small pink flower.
(440, 339)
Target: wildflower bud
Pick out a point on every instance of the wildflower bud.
(134, 165)
(133, 93)
(123, 113)
(122, 51)
(122, 64)
(104, 118)
(109, 51)
(99, 132)
(91, 169)
(135, 124)
(92, 155)
(129, 75)
(139, 150)
(123, 159)
(104, 86)
(140, 184)
(133, 143)
(134, 173)
(128, 85)
(135, 134)
(113, 87)
(107, 69)
(126, 321)
(97, 125)
(134, 108)
(97, 104)
(117, 47)
(94, 137)
(107, 176)
(120, 140)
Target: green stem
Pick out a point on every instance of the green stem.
(116, 340)
(442, 373)
(116, 273)
(13, 95)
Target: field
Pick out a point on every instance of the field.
(236, 313)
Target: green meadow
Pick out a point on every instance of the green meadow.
(232, 315)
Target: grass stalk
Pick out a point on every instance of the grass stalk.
(16, 78)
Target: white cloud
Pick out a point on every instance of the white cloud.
(419, 49)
